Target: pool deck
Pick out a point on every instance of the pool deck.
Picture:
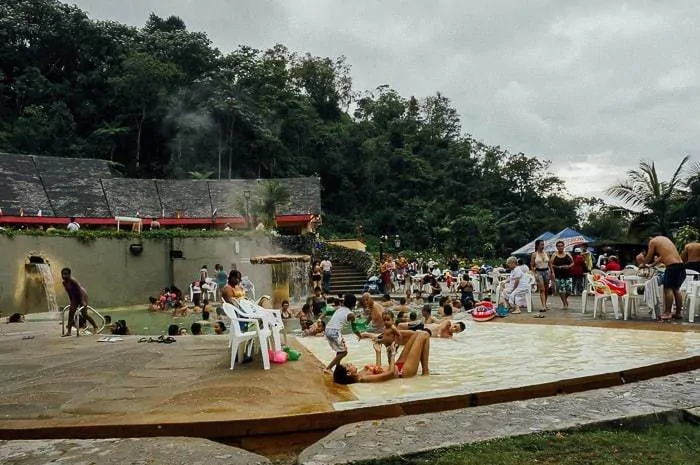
(48, 383)
(52, 387)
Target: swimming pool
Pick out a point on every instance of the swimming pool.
(491, 356)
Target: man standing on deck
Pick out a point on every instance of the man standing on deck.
(691, 254)
(661, 249)
(78, 299)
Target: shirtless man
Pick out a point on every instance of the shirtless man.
(444, 329)
(661, 249)
(373, 311)
(78, 300)
(691, 255)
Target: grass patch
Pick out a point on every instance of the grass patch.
(659, 444)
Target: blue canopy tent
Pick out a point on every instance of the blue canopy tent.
(570, 237)
(528, 248)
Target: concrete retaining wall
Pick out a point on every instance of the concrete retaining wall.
(112, 275)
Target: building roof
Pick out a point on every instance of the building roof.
(89, 188)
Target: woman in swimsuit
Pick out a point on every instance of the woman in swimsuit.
(316, 275)
(416, 353)
(539, 264)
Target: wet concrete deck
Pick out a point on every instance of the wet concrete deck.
(48, 381)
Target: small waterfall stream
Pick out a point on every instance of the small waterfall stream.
(298, 281)
(49, 284)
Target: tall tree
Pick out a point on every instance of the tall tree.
(654, 203)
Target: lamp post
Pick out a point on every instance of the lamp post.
(246, 196)
(383, 239)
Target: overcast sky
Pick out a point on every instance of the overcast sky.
(594, 86)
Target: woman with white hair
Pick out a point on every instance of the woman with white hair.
(515, 293)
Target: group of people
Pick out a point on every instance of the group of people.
(662, 251)
(564, 271)
(388, 325)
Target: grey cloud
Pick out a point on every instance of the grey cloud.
(594, 86)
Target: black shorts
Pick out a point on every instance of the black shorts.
(695, 266)
(674, 276)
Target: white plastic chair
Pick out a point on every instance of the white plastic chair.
(631, 300)
(248, 287)
(237, 336)
(693, 295)
(528, 293)
(209, 291)
(588, 290)
(603, 293)
(272, 319)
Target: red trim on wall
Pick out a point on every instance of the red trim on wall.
(233, 221)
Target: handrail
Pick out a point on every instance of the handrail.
(77, 313)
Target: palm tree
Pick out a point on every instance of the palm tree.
(653, 203)
(272, 195)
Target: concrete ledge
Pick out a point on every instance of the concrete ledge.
(152, 451)
(409, 435)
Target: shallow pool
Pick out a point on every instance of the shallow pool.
(490, 356)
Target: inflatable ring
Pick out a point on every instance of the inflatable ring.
(483, 313)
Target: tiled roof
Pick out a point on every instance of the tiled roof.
(84, 187)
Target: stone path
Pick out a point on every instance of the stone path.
(421, 433)
(149, 451)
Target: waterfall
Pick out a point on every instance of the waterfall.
(47, 277)
(298, 280)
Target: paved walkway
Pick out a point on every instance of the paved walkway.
(150, 451)
(402, 436)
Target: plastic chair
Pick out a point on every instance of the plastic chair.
(528, 293)
(272, 320)
(631, 300)
(209, 292)
(693, 294)
(587, 291)
(603, 293)
(248, 287)
(237, 336)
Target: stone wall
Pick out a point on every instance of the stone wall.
(112, 275)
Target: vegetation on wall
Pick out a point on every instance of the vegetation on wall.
(161, 101)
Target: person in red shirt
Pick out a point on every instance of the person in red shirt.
(613, 264)
(577, 272)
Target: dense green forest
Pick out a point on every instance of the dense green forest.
(162, 101)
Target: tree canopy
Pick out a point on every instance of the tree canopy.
(164, 102)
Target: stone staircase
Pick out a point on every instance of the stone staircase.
(347, 279)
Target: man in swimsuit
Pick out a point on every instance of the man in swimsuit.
(663, 248)
(691, 255)
(78, 299)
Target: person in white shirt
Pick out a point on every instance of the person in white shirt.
(326, 267)
(73, 226)
(334, 329)
(515, 291)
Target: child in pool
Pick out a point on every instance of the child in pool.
(389, 338)
(153, 304)
(316, 329)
